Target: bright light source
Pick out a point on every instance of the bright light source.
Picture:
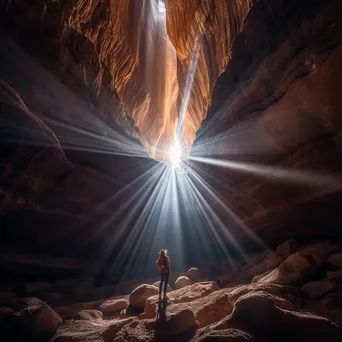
(174, 155)
(161, 6)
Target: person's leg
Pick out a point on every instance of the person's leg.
(166, 279)
(161, 283)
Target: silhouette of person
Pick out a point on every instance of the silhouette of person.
(164, 267)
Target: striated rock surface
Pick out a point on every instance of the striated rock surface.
(294, 270)
(127, 72)
(272, 133)
(202, 33)
(274, 322)
(81, 78)
(89, 315)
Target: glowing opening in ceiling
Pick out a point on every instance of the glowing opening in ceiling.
(174, 155)
(161, 6)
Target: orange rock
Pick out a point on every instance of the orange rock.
(295, 269)
(138, 297)
(317, 289)
(258, 314)
(194, 274)
(182, 281)
(89, 315)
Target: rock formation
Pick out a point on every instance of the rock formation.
(91, 90)
(259, 311)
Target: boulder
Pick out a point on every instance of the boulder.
(225, 279)
(156, 284)
(335, 275)
(112, 328)
(176, 322)
(283, 291)
(269, 260)
(269, 321)
(194, 274)
(317, 289)
(228, 335)
(258, 277)
(279, 301)
(89, 315)
(172, 323)
(287, 247)
(207, 310)
(132, 311)
(192, 292)
(294, 270)
(94, 331)
(138, 296)
(336, 260)
(71, 310)
(114, 305)
(35, 318)
(322, 250)
(187, 294)
(137, 331)
(182, 281)
(211, 308)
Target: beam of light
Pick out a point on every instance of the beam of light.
(216, 199)
(161, 6)
(135, 222)
(174, 155)
(214, 221)
(187, 91)
(303, 177)
(68, 116)
(144, 227)
(161, 201)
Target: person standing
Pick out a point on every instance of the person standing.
(164, 267)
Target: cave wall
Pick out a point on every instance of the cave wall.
(115, 54)
(268, 77)
(202, 33)
(275, 122)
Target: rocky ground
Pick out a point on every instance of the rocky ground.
(291, 294)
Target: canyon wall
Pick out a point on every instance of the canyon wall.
(77, 116)
(115, 54)
(202, 33)
(274, 125)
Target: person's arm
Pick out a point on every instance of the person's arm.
(169, 264)
(157, 264)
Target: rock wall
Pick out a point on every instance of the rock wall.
(274, 124)
(115, 54)
(202, 33)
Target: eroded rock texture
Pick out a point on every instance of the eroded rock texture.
(278, 104)
(114, 53)
(203, 33)
(90, 88)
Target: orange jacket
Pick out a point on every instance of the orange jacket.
(163, 264)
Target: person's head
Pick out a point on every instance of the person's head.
(163, 252)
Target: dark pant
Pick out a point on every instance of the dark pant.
(164, 278)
